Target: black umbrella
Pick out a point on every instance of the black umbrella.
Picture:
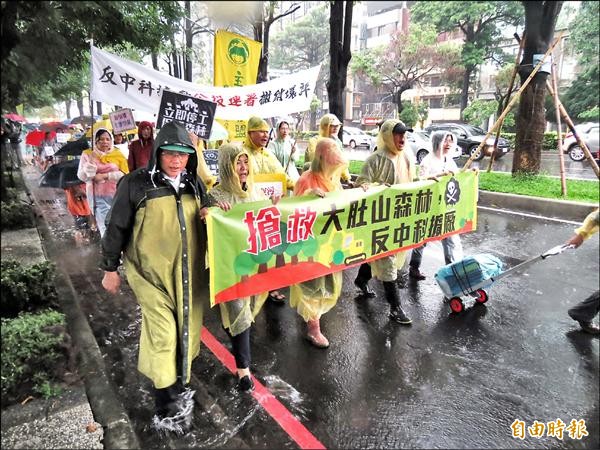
(73, 148)
(62, 175)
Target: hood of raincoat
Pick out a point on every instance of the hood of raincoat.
(230, 181)
(325, 169)
(385, 138)
(97, 133)
(327, 121)
(173, 133)
(277, 136)
(144, 124)
(437, 139)
(255, 124)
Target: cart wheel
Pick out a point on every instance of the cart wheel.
(456, 304)
(482, 296)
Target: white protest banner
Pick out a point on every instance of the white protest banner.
(62, 138)
(116, 80)
(122, 120)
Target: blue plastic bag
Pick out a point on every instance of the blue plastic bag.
(461, 277)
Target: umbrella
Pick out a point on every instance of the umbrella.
(83, 120)
(52, 126)
(218, 132)
(73, 148)
(36, 137)
(61, 175)
(15, 117)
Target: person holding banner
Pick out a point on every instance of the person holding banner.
(436, 164)
(329, 127)
(390, 164)
(156, 227)
(101, 169)
(314, 298)
(48, 148)
(264, 162)
(284, 150)
(237, 186)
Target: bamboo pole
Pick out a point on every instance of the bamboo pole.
(569, 123)
(512, 102)
(561, 156)
(510, 88)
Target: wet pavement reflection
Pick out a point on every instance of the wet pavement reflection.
(448, 381)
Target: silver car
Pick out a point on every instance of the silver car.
(588, 132)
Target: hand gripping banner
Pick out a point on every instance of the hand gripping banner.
(258, 247)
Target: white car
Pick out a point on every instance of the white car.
(420, 144)
(588, 132)
(355, 137)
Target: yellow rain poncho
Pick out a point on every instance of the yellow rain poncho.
(326, 122)
(236, 315)
(263, 161)
(314, 298)
(388, 165)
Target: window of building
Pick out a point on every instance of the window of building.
(435, 81)
(435, 102)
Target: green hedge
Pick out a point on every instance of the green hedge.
(550, 140)
(16, 215)
(26, 288)
(31, 349)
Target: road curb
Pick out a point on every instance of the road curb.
(106, 407)
(558, 209)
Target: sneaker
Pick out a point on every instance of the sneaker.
(245, 384)
(416, 274)
(589, 327)
(398, 315)
(364, 287)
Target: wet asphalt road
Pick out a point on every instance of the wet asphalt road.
(448, 381)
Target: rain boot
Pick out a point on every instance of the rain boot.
(362, 280)
(314, 334)
(393, 298)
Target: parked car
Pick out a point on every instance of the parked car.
(588, 132)
(420, 144)
(469, 138)
(355, 137)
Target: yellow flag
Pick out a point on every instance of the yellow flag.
(236, 64)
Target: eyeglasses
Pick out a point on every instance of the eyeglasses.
(172, 154)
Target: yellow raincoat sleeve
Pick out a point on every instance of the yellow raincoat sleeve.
(202, 170)
(271, 164)
(589, 226)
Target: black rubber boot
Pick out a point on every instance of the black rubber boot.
(362, 280)
(393, 298)
(165, 400)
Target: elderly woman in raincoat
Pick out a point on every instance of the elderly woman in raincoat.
(101, 169)
(264, 162)
(314, 298)
(284, 150)
(237, 186)
(390, 164)
(156, 227)
(329, 127)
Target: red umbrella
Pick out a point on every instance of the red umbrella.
(16, 117)
(36, 137)
(52, 126)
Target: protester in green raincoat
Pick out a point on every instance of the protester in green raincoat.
(155, 225)
(237, 186)
(390, 164)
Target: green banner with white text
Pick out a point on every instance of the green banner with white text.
(259, 247)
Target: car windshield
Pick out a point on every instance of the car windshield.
(474, 130)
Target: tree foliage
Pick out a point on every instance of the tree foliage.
(481, 24)
(302, 44)
(42, 40)
(405, 61)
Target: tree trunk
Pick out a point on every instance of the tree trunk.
(80, 106)
(154, 57)
(340, 26)
(68, 108)
(540, 20)
(464, 94)
(188, 42)
(99, 108)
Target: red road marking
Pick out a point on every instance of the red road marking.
(292, 426)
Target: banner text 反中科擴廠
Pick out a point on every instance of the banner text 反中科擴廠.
(262, 247)
(132, 85)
